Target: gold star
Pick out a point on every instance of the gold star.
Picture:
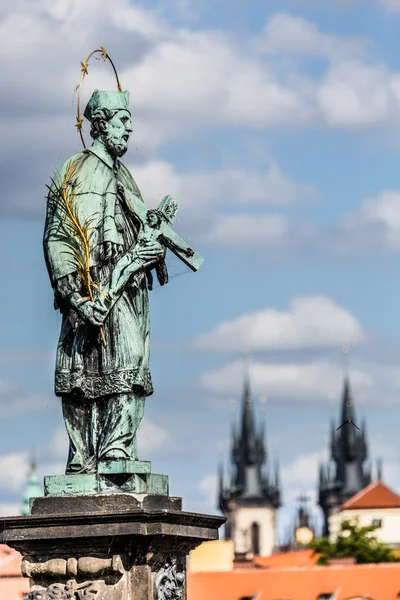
(84, 67)
(79, 122)
(103, 52)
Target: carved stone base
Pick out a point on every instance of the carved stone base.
(139, 483)
(113, 476)
(107, 547)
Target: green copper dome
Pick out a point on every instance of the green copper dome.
(33, 489)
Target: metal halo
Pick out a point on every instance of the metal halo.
(84, 71)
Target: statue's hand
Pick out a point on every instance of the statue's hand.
(93, 312)
(150, 253)
(143, 256)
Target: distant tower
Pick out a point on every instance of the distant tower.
(252, 498)
(348, 452)
(303, 531)
(33, 489)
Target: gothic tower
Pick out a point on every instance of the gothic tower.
(251, 499)
(348, 474)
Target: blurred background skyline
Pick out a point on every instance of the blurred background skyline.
(275, 125)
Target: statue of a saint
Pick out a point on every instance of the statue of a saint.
(103, 386)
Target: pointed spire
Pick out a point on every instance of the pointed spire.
(345, 354)
(266, 477)
(379, 469)
(277, 475)
(333, 441)
(221, 478)
(349, 451)
(364, 441)
(248, 432)
(347, 402)
(249, 478)
(321, 474)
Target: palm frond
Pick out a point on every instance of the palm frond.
(74, 234)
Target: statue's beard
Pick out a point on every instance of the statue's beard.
(116, 146)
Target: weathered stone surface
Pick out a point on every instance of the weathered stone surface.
(111, 467)
(108, 550)
(139, 483)
(103, 503)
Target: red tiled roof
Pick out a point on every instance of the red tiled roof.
(297, 558)
(379, 582)
(375, 495)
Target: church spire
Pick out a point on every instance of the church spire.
(254, 487)
(349, 451)
(248, 448)
(379, 469)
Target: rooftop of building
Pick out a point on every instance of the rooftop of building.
(298, 558)
(374, 495)
(375, 581)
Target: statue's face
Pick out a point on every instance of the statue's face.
(116, 134)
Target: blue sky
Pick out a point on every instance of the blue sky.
(275, 125)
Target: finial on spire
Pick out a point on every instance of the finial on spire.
(246, 378)
(246, 363)
(345, 353)
(379, 469)
(32, 463)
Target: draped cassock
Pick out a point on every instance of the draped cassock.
(86, 371)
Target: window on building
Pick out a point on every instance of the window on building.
(377, 522)
(255, 539)
(326, 596)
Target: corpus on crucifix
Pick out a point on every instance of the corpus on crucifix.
(102, 244)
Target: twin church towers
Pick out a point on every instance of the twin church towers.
(250, 494)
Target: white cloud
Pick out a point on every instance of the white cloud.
(205, 77)
(357, 95)
(315, 380)
(58, 445)
(225, 186)
(302, 472)
(8, 509)
(13, 470)
(287, 34)
(208, 486)
(372, 227)
(391, 4)
(14, 401)
(151, 437)
(376, 222)
(246, 230)
(206, 497)
(310, 322)
(179, 78)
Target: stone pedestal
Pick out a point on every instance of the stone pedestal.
(120, 546)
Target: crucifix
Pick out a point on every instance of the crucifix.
(154, 226)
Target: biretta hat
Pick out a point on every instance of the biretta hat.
(111, 100)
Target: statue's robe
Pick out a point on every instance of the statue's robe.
(84, 367)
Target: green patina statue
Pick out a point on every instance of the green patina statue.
(101, 244)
